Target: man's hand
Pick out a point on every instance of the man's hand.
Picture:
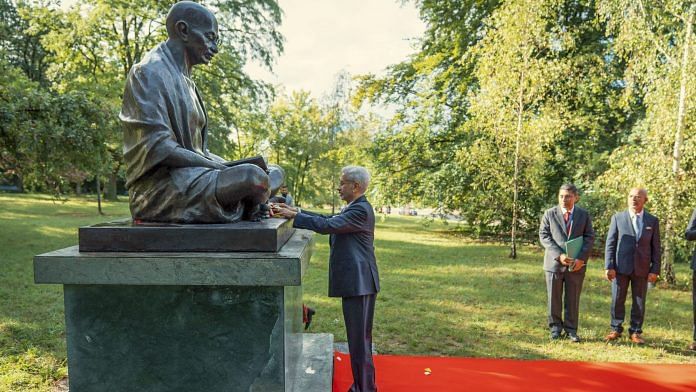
(611, 274)
(565, 260)
(285, 206)
(578, 264)
(283, 210)
(652, 278)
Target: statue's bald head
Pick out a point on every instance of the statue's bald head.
(189, 12)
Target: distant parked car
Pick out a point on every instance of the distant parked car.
(9, 188)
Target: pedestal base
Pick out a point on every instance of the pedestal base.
(182, 338)
(169, 321)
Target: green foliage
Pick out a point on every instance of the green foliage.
(85, 53)
(21, 42)
(490, 74)
(47, 139)
(653, 39)
(312, 141)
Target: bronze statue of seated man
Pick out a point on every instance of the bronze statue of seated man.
(171, 176)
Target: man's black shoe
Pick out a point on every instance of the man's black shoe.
(310, 314)
(573, 337)
(555, 335)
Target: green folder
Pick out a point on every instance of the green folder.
(573, 247)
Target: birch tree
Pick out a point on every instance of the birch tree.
(656, 40)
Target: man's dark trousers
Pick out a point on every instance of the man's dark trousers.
(693, 299)
(690, 235)
(358, 313)
(619, 291)
(554, 289)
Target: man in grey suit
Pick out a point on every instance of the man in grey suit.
(561, 223)
(690, 235)
(353, 272)
(632, 257)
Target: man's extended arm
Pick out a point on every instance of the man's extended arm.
(350, 221)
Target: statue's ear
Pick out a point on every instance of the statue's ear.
(182, 30)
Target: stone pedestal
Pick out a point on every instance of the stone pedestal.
(162, 321)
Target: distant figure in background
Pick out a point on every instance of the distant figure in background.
(565, 272)
(690, 235)
(286, 195)
(632, 257)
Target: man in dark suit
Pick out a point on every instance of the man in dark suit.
(353, 272)
(690, 235)
(565, 272)
(632, 257)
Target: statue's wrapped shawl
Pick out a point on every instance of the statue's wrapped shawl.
(162, 110)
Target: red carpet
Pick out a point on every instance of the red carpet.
(403, 373)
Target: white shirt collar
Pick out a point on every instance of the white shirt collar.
(633, 214)
(563, 210)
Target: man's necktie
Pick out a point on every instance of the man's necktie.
(566, 218)
(638, 226)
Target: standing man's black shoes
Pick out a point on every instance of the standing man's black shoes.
(573, 337)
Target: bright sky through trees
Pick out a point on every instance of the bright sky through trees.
(327, 36)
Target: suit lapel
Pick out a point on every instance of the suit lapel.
(577, 216)
(627, 221)
(558, 214)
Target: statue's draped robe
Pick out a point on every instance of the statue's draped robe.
(162, 110)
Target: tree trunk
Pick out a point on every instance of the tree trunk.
(515, 179)
(111, 191)
(99, 206)
(78, 188)
(20, 183)
(303, 174)
(668, 255)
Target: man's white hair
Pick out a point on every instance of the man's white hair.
(357, 174)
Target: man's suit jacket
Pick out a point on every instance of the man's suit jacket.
(553, 236)
(690, 235)
(352, 263)
(623, 254)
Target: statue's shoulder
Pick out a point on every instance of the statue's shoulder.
(154, 67)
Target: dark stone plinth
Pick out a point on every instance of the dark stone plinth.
(267, 235)
(182, 338)
(283, 268)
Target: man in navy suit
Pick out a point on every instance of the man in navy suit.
(632, 257)
(559, 224)
(690, 235)
(353, 272)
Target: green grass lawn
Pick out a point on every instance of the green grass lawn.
(441, 295)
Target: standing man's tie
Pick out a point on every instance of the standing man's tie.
(637, 226)
(566, 218)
